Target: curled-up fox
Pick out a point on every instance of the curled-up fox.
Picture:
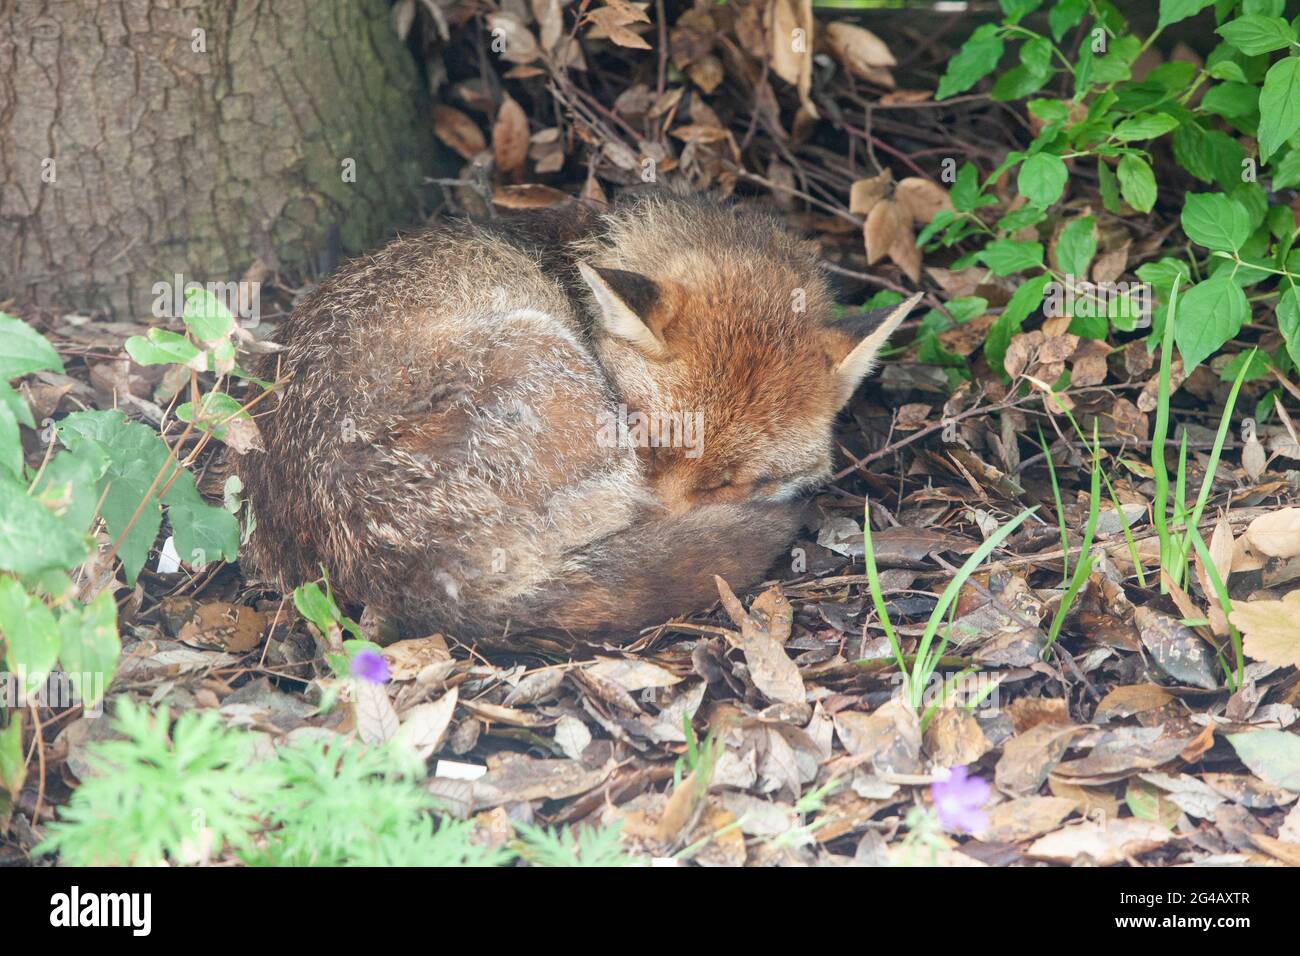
(564, 420)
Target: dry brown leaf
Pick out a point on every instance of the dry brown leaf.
(424, 726)
(1270, 629)
(890, 737)
(1130, 699)
(906, 254)
(529, 196)
(790, 43)
(612, 21)
(632, 674)
(770, 668)
(511, 40)
(377, 721)
(1276, 534)
(954, 738)
(1025, 818)
(407, 658)
(504, 715)
(510, 136)
(517, 779)
(865, 193)
(1104, 843)
(1029, 712)
(922, 198)
(224, 627)
(682, 807)
(1088, 800)
(860, 52)
(706, 73)
(884, 226)
(1288, 853)
(458, 131)
(1221, 550)
(1244, 557)
(550, 22)
(1176, 649)
(1028, 758)
(1110, 265)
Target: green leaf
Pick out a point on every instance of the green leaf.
(1114, 66)
(24, 350)
(976, 59)
(1271, 755)
(965, 193)
(1065, 16)
(1015, 10)
(1148, 126)
(204, 533)
(1137, 183)
(1025, 300)
(1254, 34)
(1075, 247)
(207, 317)
(89, 646)
(1018, 219)
(1216, 221)
(13, 768)
(1227, 70)
(1171, 11)
(217, 411)
(1108, 185)
(67, 488)
(30, 634)
(1266, 8)
(1006, 256)
(317, 606)
(1286, 173)
(1160, 274)
(1288, 321)
(1042, 179)
(135, 455)
(1234, 101)
(165, 348)
(1212, 156)
(1030, 76)
(1279, 105)
(1019, 82)
(1209, 315)
(11, 443)
(32, 539)
(16, 404)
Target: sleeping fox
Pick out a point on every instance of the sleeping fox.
(567, 420)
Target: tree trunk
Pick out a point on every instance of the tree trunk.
(138, 142)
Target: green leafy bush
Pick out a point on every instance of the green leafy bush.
(110, 472)
(1242, 235)
(192, 790)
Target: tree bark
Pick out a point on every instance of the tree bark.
(138, 142)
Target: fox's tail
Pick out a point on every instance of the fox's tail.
(664, 567)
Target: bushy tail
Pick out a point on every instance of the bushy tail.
(664, 567)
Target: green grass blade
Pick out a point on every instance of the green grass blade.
(878, 596)
(1060, 511)
(954, 586)
(1159, 513)
(1225, 604)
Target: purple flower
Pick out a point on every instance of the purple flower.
(370, 666)
(959, 801)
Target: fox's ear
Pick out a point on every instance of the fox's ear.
(857, 365)
(623, 298)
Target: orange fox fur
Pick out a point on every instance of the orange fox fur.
(437, 445)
